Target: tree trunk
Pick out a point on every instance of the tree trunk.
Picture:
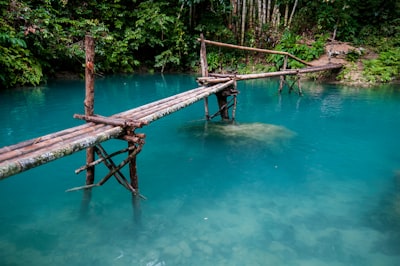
(292, 14)
(275, 18)
(259, 16)
(243, 26)
(268, 11)
(286, 14)
(236, 10)
(251, 15)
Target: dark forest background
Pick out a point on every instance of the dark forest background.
(40, 38)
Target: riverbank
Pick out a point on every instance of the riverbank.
(352, 71)
(350, 56)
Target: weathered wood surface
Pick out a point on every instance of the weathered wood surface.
(89, 100)
(110, 121)
(20, 157)
(217, 78)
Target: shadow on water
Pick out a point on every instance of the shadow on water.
(386, 218)
(36, 239)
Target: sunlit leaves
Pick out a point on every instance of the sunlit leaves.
(385, 68)
(293, 44)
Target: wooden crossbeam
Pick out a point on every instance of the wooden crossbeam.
(112, 121)
(114, 169)
(217, 78)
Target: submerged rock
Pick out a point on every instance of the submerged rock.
(256, 131)
(274, 137)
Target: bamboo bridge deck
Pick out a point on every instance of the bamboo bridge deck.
(20, 157)
(23, 156)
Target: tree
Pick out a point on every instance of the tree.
(40, 37)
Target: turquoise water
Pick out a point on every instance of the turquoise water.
(311, 180)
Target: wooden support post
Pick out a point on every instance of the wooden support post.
(134, 183)
(204, 70)
(87, 196)
(234, 101)
(89, 111)
(203, 57)
(133, 169)
(89, 101)
(109, 163)
(223, 105)
(282, 77)
(299, 84)
(206, 108)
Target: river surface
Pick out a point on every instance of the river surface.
(311, 180)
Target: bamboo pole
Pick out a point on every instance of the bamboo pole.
(178, 102)
(234, 101)
(131, 113)
(179, 105)
(132, 150)
(171, 104)
(134, 182)
(282, 77)
(222, 99)
(32, 159)
(183, 97)
(299, 85)
(110, 121)
(17, 146)
(255, 50)
(203, 56)
(89, 101)
(204, 70)
(89, 110)
(75, 133)
(111, 173)
(158, 110)
(51, 141)
(109, 163)
(23, 156)
(113, 168)
(215, 78)
(32, 155)
(289, 72)
(212, 80)
(22, 148)
(100, 160)
(117, 168)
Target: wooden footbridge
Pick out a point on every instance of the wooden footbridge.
(23, 156)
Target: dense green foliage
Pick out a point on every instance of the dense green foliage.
(384, 68)
(294, 45)
(39, 38)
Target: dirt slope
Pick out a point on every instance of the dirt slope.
(352, 71)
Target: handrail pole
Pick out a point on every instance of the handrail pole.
(204, 70)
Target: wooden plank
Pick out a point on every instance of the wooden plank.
(179, 105)
(215, 78)
(28, 154)
(36, 158)
(51, 139)
(111, 121)
(60, 145)
(41, 139)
